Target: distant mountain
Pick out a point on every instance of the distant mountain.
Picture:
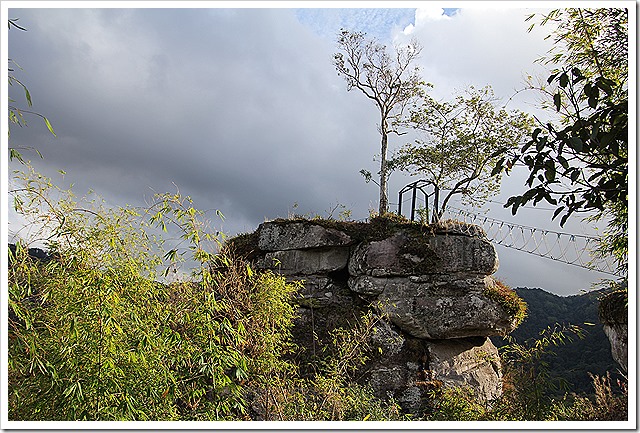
(574, 360)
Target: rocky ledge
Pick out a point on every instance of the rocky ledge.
(431, 287)
(613, 314)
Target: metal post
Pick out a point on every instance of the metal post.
(413, 202)
(426, 206)
(436, 199)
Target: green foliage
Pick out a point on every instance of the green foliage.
(508, 298)
(580, 164)
(461, 142)
(94, 336)
(456, 404)
(594, 39)
(613, 241)
(324, 398)
(581, 167)
(71, 354)
(99, 330)
(605, 405)
(529, 384)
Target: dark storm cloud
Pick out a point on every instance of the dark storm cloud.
(242, 110)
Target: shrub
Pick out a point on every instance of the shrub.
(108, 329)
(95, 336)
(331, 394)
(456, 404)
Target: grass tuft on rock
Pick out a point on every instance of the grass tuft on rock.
(508, 298)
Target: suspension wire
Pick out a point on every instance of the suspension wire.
(524, 206)
(568, 248)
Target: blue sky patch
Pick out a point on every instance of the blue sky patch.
(376, 22)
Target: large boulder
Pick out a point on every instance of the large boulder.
(467, 362)
(438, 306)
(408, 368)
(429, 286)
(409, 253)
(278, 236)
(432, 285)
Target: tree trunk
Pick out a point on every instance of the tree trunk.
(384, 200)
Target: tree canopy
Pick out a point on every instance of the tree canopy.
(460, 141)
(580, 163)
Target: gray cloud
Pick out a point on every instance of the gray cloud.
(240, 108)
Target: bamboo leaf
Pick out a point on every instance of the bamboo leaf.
(49, 127)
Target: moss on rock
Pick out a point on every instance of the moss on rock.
(613, 307)
(507, 298)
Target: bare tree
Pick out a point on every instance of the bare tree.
(389, 80)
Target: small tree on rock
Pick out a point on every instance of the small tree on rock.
(460, 144)
(389, 80)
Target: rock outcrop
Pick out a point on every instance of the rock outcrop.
(431, 287)
(614, 317)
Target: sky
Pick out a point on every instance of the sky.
(241, 108)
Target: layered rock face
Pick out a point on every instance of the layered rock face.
(428, 287)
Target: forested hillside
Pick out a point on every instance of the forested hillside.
(574, 360)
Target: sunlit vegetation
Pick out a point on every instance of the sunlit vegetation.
(102, 328)
(115, 323)
(513, 304)
(108, 326)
